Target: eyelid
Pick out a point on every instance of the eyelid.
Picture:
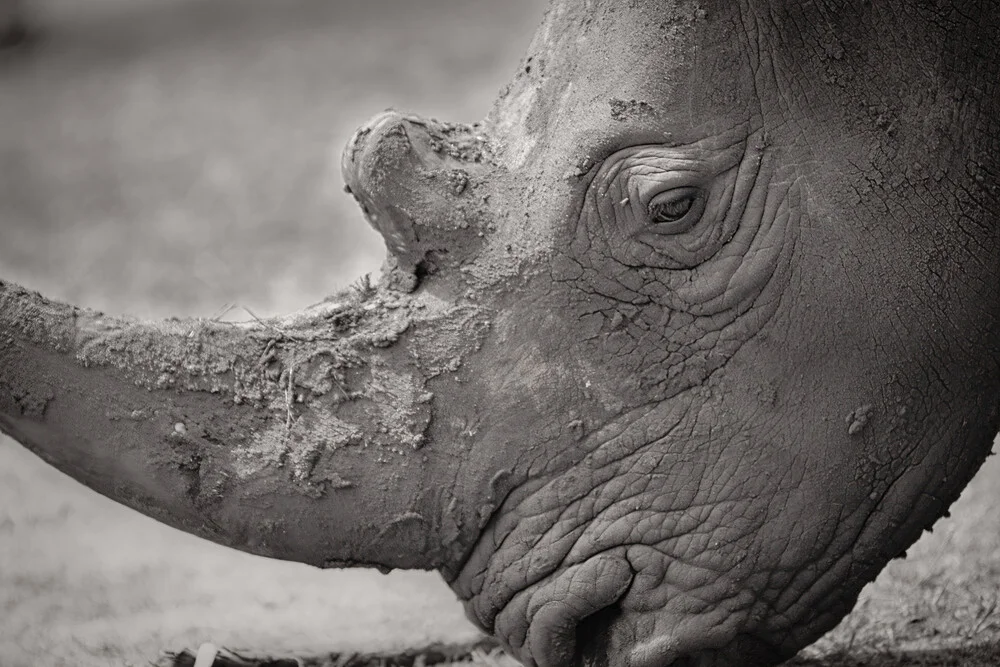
(643, 188)
(618, 196)
(675, 194)
(684, 223)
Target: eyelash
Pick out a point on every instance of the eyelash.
(663, 205)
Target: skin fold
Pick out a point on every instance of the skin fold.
(671, 354)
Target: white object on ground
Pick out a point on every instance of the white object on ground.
(206, 655)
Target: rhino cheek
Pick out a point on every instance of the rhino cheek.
(719, 474)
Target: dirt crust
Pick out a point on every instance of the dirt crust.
(433, 654)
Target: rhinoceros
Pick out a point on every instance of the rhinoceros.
(670, 354)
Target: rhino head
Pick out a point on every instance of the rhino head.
(670, 355)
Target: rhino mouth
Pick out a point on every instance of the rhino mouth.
(618, 558)
(608, 638)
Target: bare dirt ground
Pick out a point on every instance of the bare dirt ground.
(176, 157)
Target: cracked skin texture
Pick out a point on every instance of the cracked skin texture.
(671, 354)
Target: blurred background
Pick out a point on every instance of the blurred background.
(173, 157)
(169, 156)
(181, 157)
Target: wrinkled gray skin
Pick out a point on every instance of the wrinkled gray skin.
(727, 274)
(718, 428)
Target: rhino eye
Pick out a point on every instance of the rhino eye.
(676, 210)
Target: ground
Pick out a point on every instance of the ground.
(181, 157)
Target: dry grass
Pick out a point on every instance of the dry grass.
(937, 607)
(172, 156)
